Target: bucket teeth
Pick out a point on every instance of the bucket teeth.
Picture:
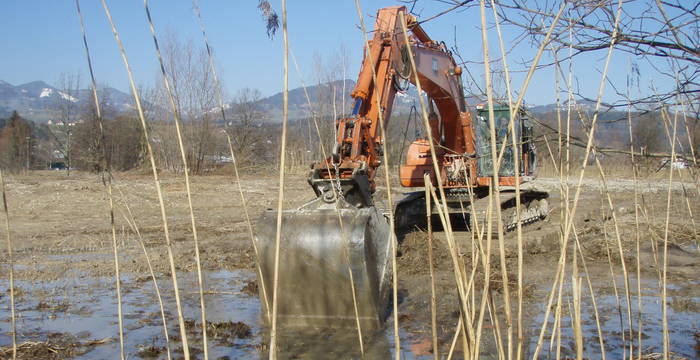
(319, 246)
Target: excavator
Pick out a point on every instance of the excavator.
(335, 263)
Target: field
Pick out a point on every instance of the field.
(66, 298)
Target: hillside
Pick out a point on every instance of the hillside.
(37, 100)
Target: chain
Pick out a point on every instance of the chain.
(339, 189)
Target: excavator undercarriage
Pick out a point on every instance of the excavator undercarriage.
(465, 208)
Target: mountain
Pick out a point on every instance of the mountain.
(38, 100)
(299, 105)
(581, 105)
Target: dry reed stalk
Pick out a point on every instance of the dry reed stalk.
(496, 327)
(556, 328)
(558, 276)
(469, 285)
(134, 227)
(511, 125)
(576, 316)
(578, 336)
(635, 169)
(462, 264)
(473, 225)
(356, 310)
(149, 148)
(186, 170)
(563, 188)
(334, 188)
(495, 183)
(433, 307)
(280, 198)
(458, 268)
(467, 341)
(453, 344)
(392, 235)
(557, 316)
(486, 263)
(11, 260)
(621, 254)
(250, 226)
(477, 235)
(664, 304)
(593, 301)
(106, 180)
(117, 276)
(612, 271)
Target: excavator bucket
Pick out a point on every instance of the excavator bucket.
(320, 247)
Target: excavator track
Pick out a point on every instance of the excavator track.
(534, 208)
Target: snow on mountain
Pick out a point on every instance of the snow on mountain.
(45, 92)
(67, 97)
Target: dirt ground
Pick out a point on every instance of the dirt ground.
(61, 230)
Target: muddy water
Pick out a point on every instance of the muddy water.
(682, 313)
(83, 308)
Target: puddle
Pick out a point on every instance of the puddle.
(682, 314)
(85, 307)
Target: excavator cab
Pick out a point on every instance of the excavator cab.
(523, 136)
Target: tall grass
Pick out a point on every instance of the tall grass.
(433, 307)
(664, 282)
(280, 197)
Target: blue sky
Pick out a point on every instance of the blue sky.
(41, 39)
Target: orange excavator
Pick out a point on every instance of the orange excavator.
(337, 247)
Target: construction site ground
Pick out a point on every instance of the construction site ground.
(66, 298)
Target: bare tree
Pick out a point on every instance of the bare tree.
(15, 143)
(123, 137)
(330, 97)
(194, 91)
(246, 127)
(647, 134)
(67, 109)
(662, 34)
